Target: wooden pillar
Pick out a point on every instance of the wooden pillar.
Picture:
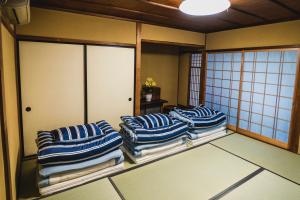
(138, 52)
(294, 134)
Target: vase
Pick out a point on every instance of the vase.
(148, 97)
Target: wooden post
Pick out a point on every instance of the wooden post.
(138, 52)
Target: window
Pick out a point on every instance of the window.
(223, 83)
(194, 83)
(267, 92)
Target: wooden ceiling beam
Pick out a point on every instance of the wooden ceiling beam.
(279, 3)
(249, 13)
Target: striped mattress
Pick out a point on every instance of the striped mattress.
(53, 152)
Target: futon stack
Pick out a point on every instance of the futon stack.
(152, 136)
(74, 155)
(205, 124)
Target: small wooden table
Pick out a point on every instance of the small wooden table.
(154, 106)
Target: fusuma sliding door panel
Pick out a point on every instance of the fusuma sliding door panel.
(110, 83)
(52, 88)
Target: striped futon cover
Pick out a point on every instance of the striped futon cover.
(200, 117)
(52, 152)
(139, 134)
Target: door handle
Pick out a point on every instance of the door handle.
(28, 109)
(129, 99)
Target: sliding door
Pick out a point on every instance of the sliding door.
(256, 91)
(267, 94)
(223, 84)
(52, 88)
(110, 83)
(195, 78)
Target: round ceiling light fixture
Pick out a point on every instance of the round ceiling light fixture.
(203, 7)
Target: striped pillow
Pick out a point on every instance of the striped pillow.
(78, 132)
(154, 120)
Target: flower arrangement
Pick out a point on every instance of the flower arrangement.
(148, 85)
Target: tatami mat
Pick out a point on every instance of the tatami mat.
(196, 174)
(277, 160)
(98, 190)
(265, 185)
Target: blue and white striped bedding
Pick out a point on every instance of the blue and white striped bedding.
(140, 135)
(77, 132)
(54, 152)
(199, 121)
(154, 120)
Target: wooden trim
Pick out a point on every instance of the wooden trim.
(7, 25)
(48, 7)
(249, 13)
(71, 41)
(296, 46)
(240, 90)
(286, 7)
(85, 84)
(294, 133)
(231, 127)
(173, 43)
(262, 138)
(138, 56)
(189, 79)
(4, 134)
(203, 77)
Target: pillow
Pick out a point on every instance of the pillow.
(131, 122)
(78, 132)
(154, 120)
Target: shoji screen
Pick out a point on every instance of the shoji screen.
(222, 84)
(52, 88)
(195, 77)
(267, 93)
(110, 83)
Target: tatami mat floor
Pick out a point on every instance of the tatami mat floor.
(232, 167)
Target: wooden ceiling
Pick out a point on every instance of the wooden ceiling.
(242, 13)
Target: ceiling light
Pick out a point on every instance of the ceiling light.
(204, 7)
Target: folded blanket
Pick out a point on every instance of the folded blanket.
(58, 178)
(154, 135)
(198, 133)
(142, 149)
(198, 121)
(52, 152)
(46, 171)
(80, 180)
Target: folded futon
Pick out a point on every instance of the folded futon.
(152, 136)
(205, 124)
(74, 155)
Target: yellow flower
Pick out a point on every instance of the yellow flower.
(154, 83)
(149, 79)
(147, 83)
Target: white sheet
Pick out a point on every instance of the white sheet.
(80, 180)
(207, 137)
(156, 154)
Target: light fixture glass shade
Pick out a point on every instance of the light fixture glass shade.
(204, 7)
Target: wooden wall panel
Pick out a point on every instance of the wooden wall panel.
(2, 171)
(10, 104)
(57, 24)
(171, 35)
(183, 82)
(286, 33)
(161, 63)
